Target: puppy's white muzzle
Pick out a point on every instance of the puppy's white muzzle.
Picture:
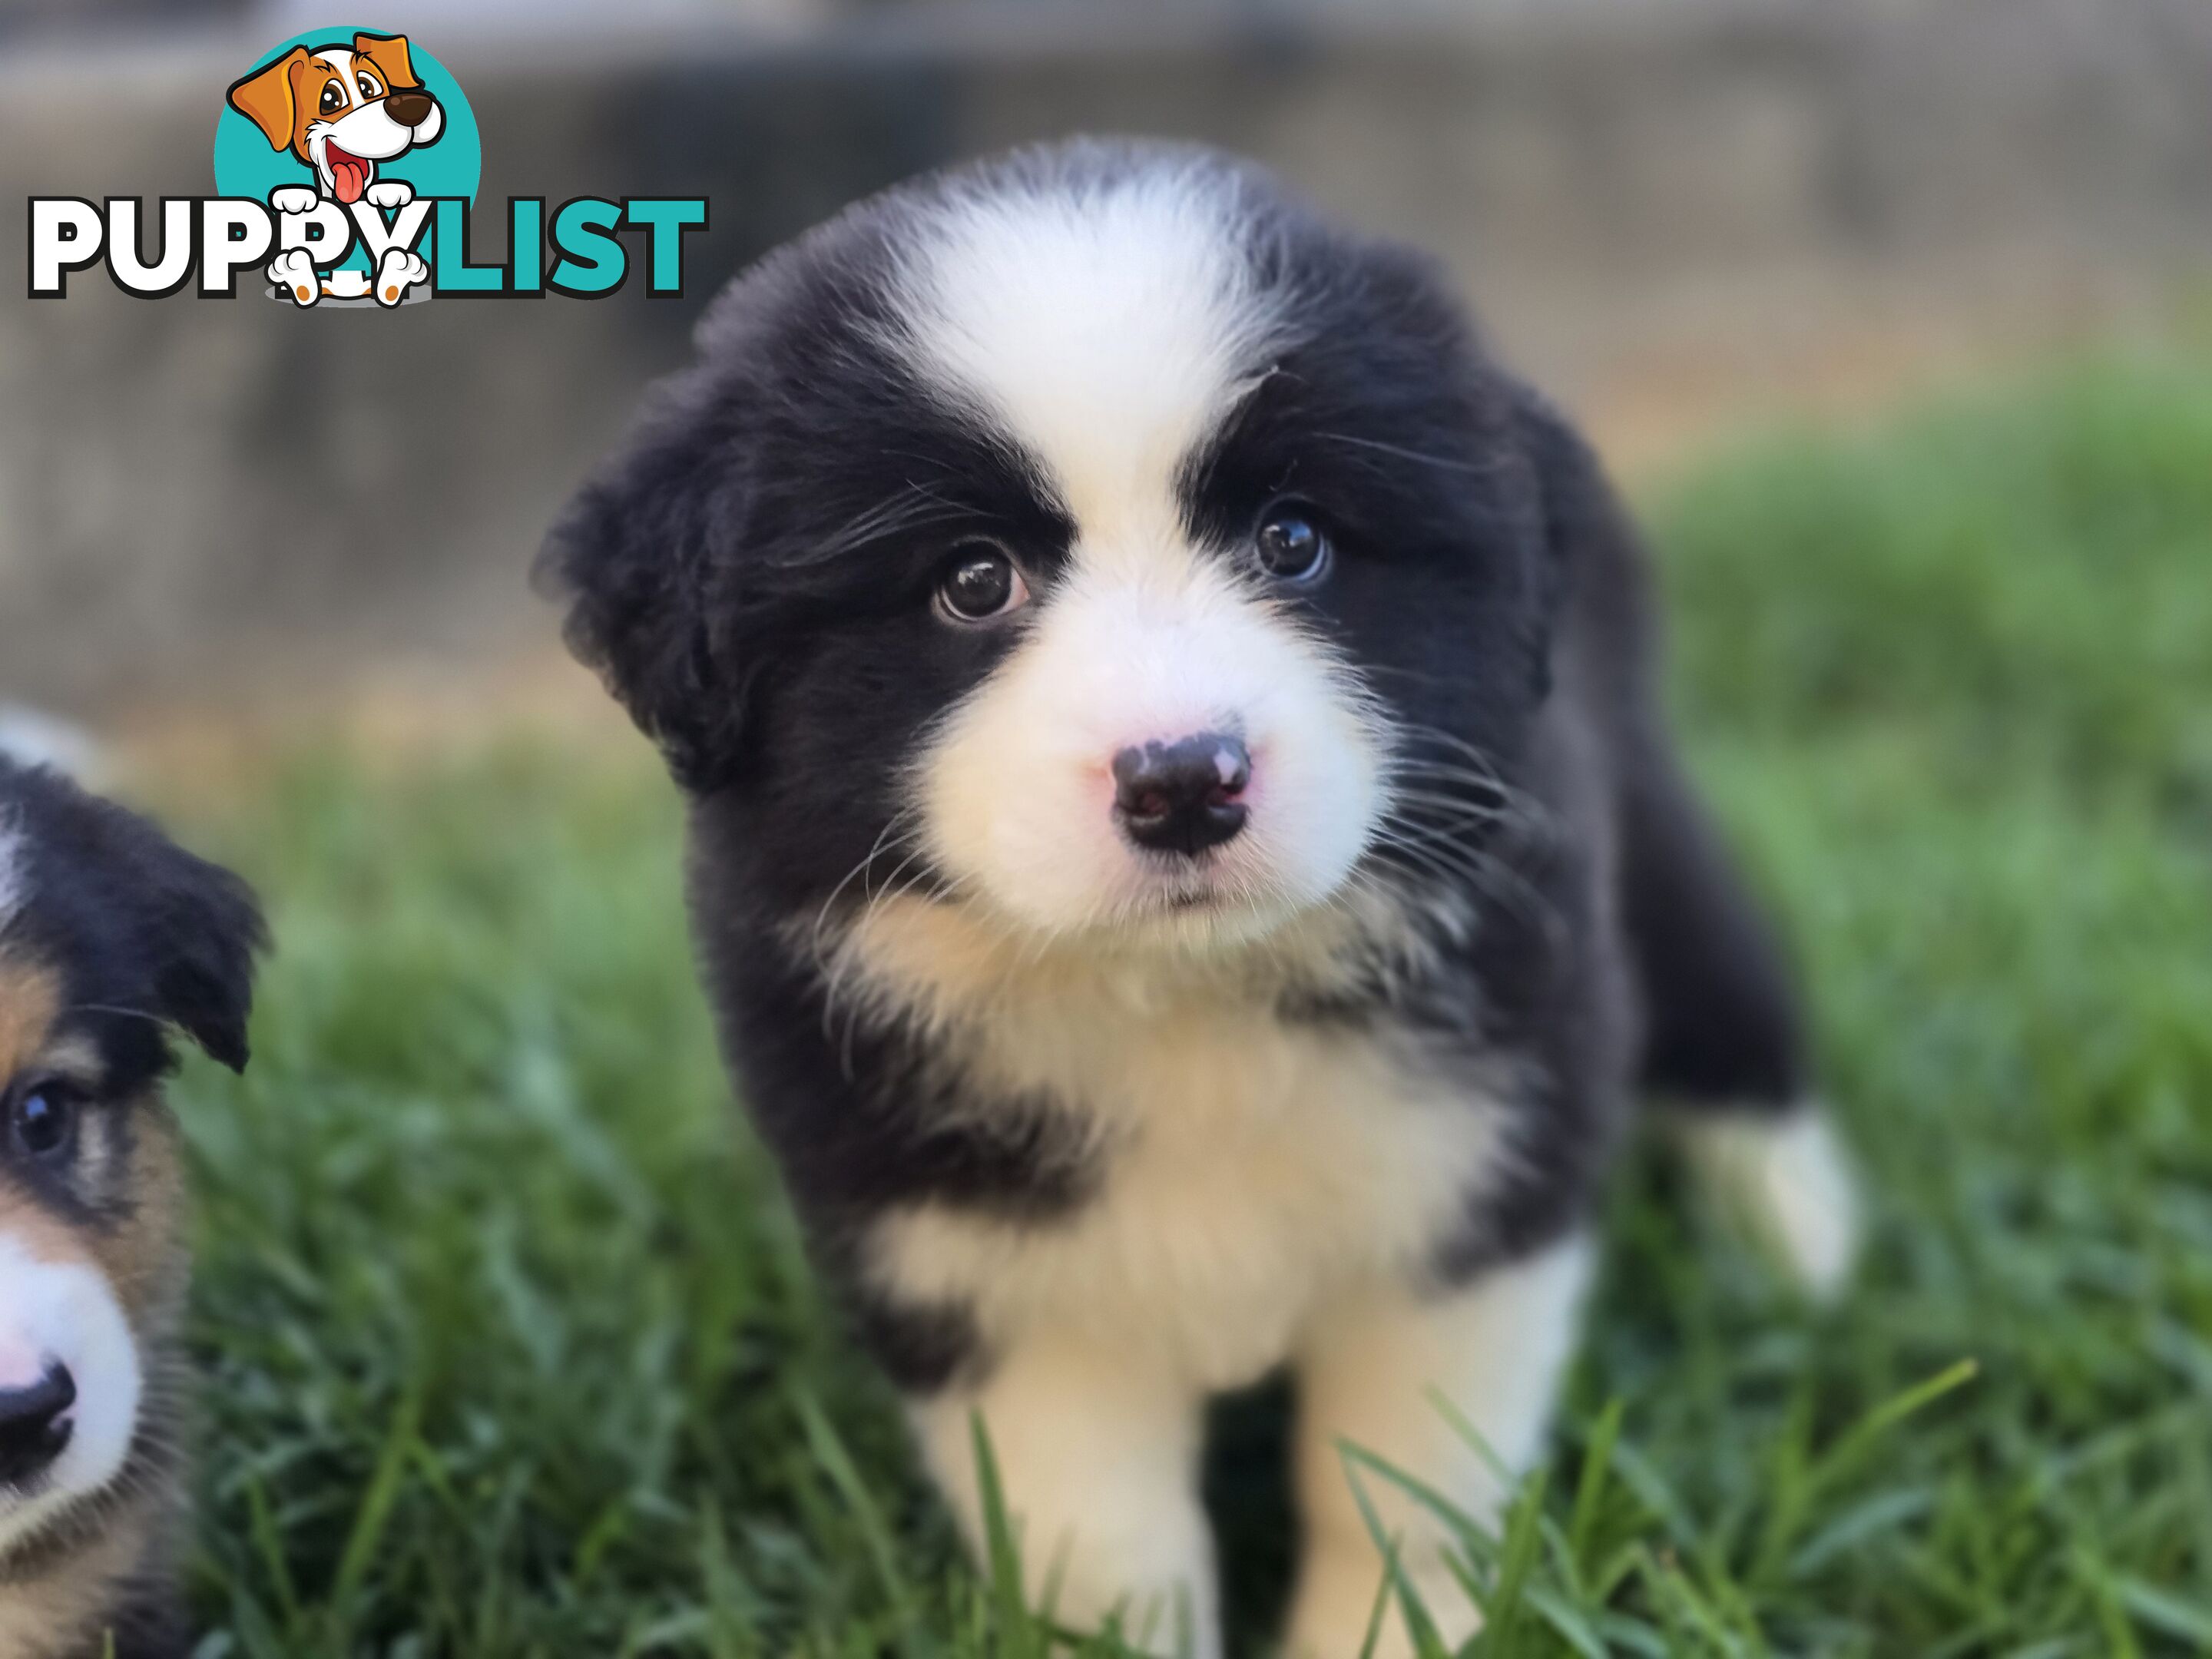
(1067, 789)
(70, 1387)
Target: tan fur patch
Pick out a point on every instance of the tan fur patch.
(141, 1256)
(954, 965)
(64, 1613)
(30, 1000)
(130, 1165)
(144, 1257)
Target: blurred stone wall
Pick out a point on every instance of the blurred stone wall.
(230, 501)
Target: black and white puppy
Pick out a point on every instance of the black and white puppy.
(1182, 841)
(111, 937)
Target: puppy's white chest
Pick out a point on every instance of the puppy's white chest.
(1247, 1172)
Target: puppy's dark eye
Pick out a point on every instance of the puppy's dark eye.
(1290, 545)
(979, 584)
(42, 1121)
(334, 98)
(369, 88)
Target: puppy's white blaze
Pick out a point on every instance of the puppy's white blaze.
(1106, 325)
(1789, 1180)
(66, 1311)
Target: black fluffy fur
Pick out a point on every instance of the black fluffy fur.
(135, 925)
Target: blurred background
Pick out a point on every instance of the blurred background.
(1677, 215)
(1895, 316)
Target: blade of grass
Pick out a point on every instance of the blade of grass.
(875, 1534)
(1017, 1633)
(1428, 1641)
(374, 1515)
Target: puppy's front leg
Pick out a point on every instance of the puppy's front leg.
(1097, 1454)
(1495, 1349)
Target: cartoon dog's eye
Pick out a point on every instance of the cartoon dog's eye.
(1289, 544)
(980, 583)
(334, 98)
(42, 1121)
(369, 87)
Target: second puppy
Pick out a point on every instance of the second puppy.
(110, 936)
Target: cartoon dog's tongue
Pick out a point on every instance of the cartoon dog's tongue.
(348, 174)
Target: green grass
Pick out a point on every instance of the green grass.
(510, 1350)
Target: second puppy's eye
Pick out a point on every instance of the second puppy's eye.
(42, 1121)
(979, 584)
(1289, 544)
(369, 87)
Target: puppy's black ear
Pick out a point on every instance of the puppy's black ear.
(1587, 538)
(1575, 502)
(182, 933)
(641, 558)
(203, 930)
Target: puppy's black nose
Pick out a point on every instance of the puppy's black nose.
(32, 1434)
(1182, 797)
(410, 109)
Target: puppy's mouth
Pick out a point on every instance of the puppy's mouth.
(1188, 893)
(349, 174)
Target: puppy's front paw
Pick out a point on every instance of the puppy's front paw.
(292, 198)
(398, 271)
(293, 273)
(390, 193)
(1335, 1604)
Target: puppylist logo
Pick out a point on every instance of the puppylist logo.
(346, 164)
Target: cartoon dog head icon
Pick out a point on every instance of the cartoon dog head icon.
(342, 109)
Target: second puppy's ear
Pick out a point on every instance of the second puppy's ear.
(181, 933)
(1576, 500)
(1587, 537)
(205, 931)
(641, 558)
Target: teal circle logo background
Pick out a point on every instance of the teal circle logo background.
(245, 165)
